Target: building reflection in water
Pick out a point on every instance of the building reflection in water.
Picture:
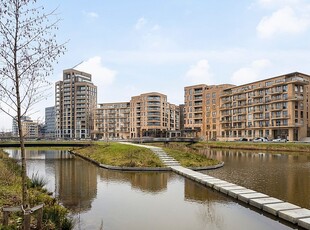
(196, 192)
(149, 182)
(76, 184)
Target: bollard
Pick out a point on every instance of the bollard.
(5, 218)
(26, 220)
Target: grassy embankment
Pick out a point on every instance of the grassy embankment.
(54, 217)
(187, 156)
(283, 147)
(121, 155)
(131, 156)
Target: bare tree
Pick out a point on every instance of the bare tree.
(28, 50)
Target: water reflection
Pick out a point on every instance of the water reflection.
(285, 176)
(194, 192)
(139, 200)
(39, 154)
(149, 182)
(76, 184)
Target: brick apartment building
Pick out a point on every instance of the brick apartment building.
(112, 121)
(75, 103)
(202, 109)
(276, 107)
(151, 115)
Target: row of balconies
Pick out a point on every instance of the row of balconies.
(284, 81)
(226, 100)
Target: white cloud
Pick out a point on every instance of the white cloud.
(101, 76)
(156, 27)
(252, 73)
(282, 21)
(140, 23)
(199, 73)
(91, 14)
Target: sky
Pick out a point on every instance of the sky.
(137, 46)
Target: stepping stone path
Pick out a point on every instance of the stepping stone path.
(284, 210)
(165, 158)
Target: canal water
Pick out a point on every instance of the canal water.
(284, 176)
(112, 200)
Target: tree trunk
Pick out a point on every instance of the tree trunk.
(25, 201)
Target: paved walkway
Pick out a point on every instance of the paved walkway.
(284, 210)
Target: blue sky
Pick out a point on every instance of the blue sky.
(137, 46)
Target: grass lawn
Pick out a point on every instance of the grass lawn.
(121, 155)
(187, 156)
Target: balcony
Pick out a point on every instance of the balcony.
(153, 98)
(258, 95)
(153, 103)
(258, 110)
(197, 98)
(225, 107)
(198, 91)
(297, 81)
(296, 98)
(226, 127)
(279, 117)
(241, 98)
(279, 91)
(239, 127)
(225, 121)
(278, 99)
(225, 100)
(260, 118)
(198, 104)
(241, 105)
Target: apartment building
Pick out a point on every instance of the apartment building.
(277, 107)
(75, 102)
(50, 122)
(202, 109)
(30, 128)
(112, 121)
(152, 115)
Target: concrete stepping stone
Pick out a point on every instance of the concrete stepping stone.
(218, 186)
(304, 222)
(258, 203)
(225, 189)
(294, 215)
(235, 193)
(211, 182)
(247, 196)
(275, 208)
